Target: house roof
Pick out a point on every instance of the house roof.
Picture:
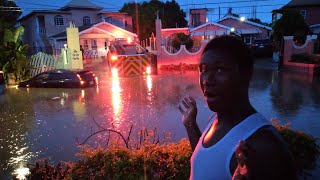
(43, 11)
(246, 21)
(175, 29)
(295, 3)
(116, 27)
(81, 4)
(64, 33)
(210, 23)
(84, 29)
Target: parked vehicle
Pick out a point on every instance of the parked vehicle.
(262, 48)
(61, 78)
(2, 83)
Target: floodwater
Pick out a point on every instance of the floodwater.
(49, 123)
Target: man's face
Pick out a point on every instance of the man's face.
(220, 80)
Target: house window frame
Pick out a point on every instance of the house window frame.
(58, 20)
(94, 44)
(85, 44)
(303, 12)
(86, 20)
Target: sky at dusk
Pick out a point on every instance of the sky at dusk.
(242, 7)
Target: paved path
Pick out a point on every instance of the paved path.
(265, 63)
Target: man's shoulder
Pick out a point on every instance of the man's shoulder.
(268, 137)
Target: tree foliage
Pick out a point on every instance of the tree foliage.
(182, 39)
(291, 23)
(170, 14)
(8, 19)
(13, 56)
(257, 20)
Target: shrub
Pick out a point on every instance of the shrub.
(305, 58)
(182, 39)
(154, 161)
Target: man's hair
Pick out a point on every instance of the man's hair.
(235, 48)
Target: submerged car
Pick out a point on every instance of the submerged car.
(61, 78)
(2, 83)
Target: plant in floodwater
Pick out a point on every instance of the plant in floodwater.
(151, 159)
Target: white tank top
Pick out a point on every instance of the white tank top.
(213, 162)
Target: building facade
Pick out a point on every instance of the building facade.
(310, 10)
(40, 25)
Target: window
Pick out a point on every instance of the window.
(248, 38)
(41, 77)
(85, 45)
(56, 76)
(196, 19)
(86, 20)
(58, 20)
(93, 44)
(303, 13)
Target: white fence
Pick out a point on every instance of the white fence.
(43, 62)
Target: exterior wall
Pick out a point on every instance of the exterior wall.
(242, 25)
(312, 14)
(290, 48)
(203, 16)
(183, 56)
(77, 16)
(51, 28)
(29, 32)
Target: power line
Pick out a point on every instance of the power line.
(242, 1)
(105, 3)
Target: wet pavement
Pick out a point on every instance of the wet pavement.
(46, 123)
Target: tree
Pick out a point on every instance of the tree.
(170, 14)
(291, 23)
(9, 14)
(257, 20)
(182, 39)
(14, 54)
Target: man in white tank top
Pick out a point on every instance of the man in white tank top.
(238, 143)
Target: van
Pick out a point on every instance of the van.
(2, 83)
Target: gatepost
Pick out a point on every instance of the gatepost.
(76, 59)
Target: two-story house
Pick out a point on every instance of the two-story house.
(41, 25)
(309, 9)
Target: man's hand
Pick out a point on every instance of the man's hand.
(243, 171)
(190, 114)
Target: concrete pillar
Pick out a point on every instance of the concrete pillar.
(158, 35)
(76, 59)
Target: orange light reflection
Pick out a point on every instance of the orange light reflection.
(116, 100)
(149, 83)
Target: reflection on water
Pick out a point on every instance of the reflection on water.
(116, 100)
(39, 123)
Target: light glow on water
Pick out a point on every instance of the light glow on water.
(21, 173)
(116, 99)
(149, 83)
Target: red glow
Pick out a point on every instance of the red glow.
(113, 57)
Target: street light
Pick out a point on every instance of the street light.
(242, 18)
(232, 29)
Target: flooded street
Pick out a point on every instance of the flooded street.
(46, 123)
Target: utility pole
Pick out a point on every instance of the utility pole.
(137, 17)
